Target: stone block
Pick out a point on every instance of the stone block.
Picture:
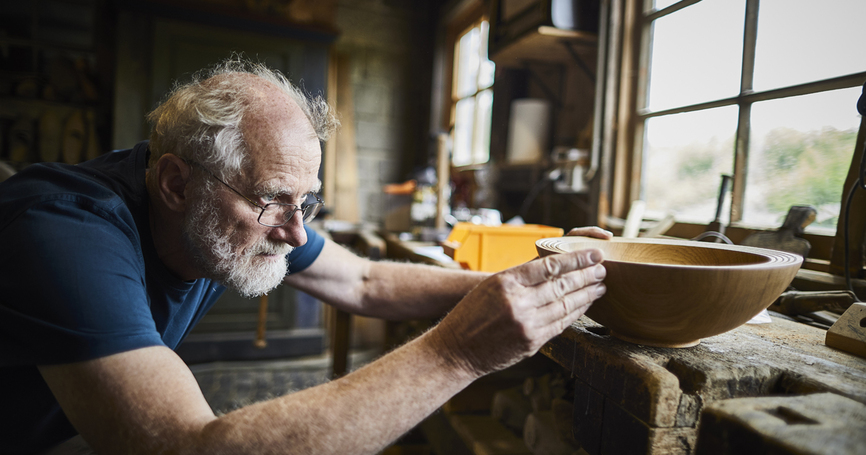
(822, 423)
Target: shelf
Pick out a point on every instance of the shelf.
(11, 106)
(50, 81)
(548, 44)
(46, 45)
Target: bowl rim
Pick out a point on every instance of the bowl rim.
(774, 258)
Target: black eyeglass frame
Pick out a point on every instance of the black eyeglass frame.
(308, 212)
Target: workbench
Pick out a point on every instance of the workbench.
(760, 388)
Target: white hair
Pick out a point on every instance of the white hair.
(200, 120)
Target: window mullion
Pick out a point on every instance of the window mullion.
(656, 14)
(741, 156)
(741, 147)
(644, 58)
(613, 41)
(750, 38)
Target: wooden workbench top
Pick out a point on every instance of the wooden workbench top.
(661, 392)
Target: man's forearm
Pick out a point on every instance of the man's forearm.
(383, 289)
(405, 291)
(360, 413)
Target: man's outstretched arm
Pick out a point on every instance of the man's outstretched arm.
(391, 290)
(147, 400)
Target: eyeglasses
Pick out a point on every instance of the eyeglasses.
(277, 214)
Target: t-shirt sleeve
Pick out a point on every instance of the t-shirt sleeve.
(302, 257)
(74, 284)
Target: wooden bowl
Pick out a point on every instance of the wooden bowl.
(672, 293)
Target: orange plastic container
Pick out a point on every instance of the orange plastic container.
(491, 249)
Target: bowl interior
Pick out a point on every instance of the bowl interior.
(672, 293)
(693, 254)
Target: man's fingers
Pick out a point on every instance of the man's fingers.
(563, 312)
(556, 265)
(558, 287)
(592, 231)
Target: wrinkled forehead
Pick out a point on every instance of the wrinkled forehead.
(277, 132)
(272, 117)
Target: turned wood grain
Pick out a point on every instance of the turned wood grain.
(672, 293)
(640, 399)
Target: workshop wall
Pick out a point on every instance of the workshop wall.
(390, 49)
(389, 45)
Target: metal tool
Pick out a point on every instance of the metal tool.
(716, 227)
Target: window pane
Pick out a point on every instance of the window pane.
(463, 127)
(685, 156)
(696, 54)
(483, 112)
(467, 62)
(799, 154)
(803, 40)
(485, 71)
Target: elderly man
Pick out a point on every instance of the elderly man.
(106, 266)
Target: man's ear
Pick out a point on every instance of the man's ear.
(172, 176)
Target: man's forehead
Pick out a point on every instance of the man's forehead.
(285, 171)
(279, 127)
(277, 188)
(283, 149)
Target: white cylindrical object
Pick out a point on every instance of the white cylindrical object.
(635, 216)
(529, 130)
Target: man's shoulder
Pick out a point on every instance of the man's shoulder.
(106, 187)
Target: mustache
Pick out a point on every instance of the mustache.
(269, 247)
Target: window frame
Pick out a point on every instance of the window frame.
(457, 30)
(630, 22)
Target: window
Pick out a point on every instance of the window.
(472, 97)
(763, 90)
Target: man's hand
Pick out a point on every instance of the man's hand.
(509, 316)
(592, 231)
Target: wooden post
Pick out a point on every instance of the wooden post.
(443, 179)
(329, 161)
(260, 341)
(340, 343)
(857, 220)
(345, 181)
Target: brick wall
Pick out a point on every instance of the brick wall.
(390, 44)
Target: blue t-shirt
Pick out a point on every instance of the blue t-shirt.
(81, 279)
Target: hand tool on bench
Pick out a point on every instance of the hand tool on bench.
(817, 308)
(716, 227)
(789, 237)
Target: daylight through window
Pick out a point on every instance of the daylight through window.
(472, 97)
(761, 90)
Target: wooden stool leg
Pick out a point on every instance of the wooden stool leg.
(340, 343)
(260, 341)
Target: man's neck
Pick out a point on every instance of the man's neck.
(166, 228)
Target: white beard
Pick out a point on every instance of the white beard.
(245, 272)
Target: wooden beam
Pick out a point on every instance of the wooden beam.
(346, 154)
(625, 189)
(329, 165)
(612, 44)
(857, 221)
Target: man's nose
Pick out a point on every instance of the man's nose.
(292, 232)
